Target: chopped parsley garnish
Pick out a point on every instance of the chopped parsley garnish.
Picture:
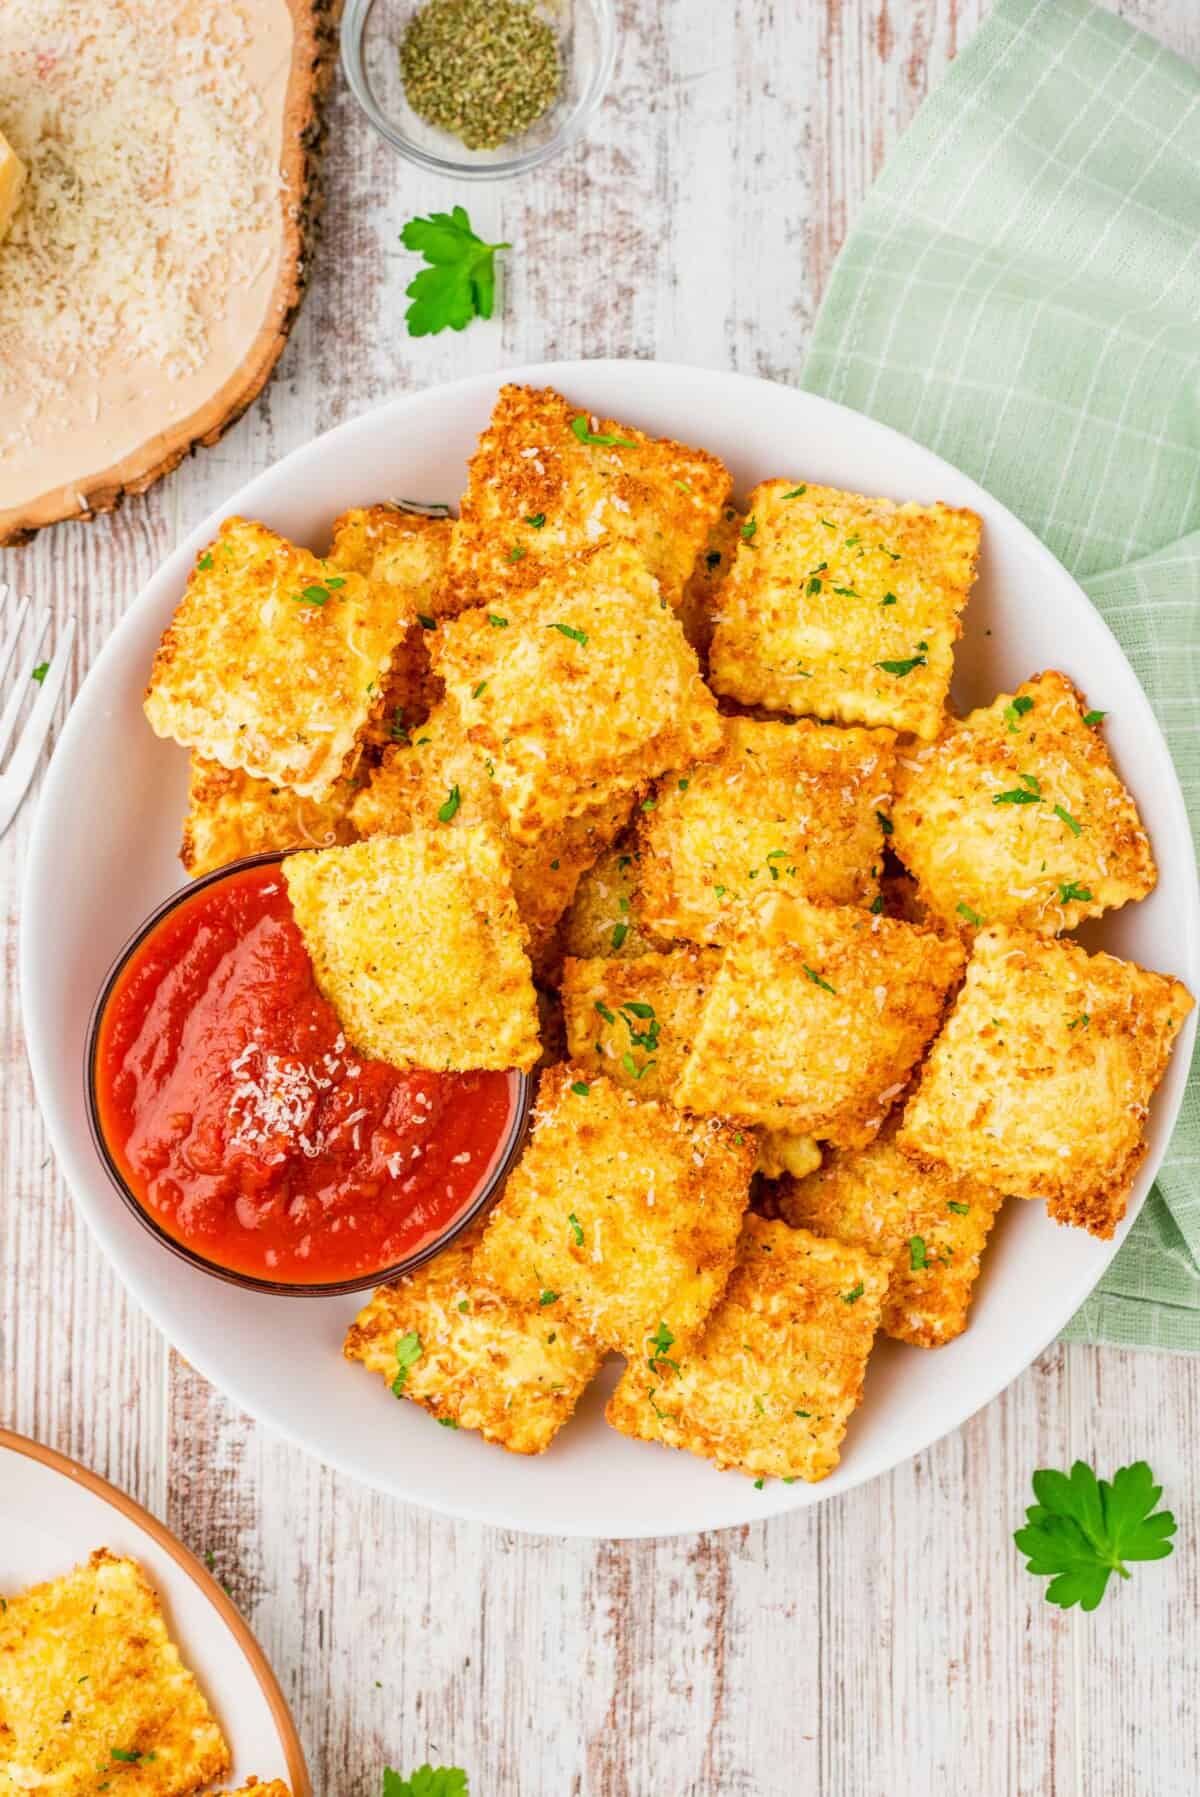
(535, 520)
(661, 1341)
(889, 599)
(425, 621)
(749, 528)
(313, 595)
(683, 784)
(547, 1298)
(1031, 782)
(1065, 817)
(476, 690)
(399, 733)
(620, 931)
(1016, 711)
(129, 1755)
(448, 810)
(1082, 1021)
(205, 562)
(917, 1261)
(581, 1088)
(580, 427)
(496, 621)
(650, 804)
(1017, 795)
(1094, 717)
(851, 1297)
(576, 1229)
(631, 1067)
(972, 917)
(1072, 891)
(576, 636)
(847, 592)
(814, 584)
(818, 981)
(517, 552)
(464, 1304)
(40, 672)
(901, 668)
(1083, 1529)
(826, 523)
(408, 1352)
(604, 1011)
(960, 1210)
(796, 493)
(885, 823)
(876, 905)
(448, 1422)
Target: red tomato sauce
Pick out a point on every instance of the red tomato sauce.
(249, 1129)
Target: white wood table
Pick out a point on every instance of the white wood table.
(885, 1643)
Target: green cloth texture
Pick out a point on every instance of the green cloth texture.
(1021, 293)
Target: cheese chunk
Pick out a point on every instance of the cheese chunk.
(12, 184)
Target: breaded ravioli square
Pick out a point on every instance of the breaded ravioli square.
(417, 944)
(273, 660)
(230, 815)
(1017, 816)
(441, 779)
(770, 1386)
(602, 921)
(622, 1215)
(634, 1020)
(472, 1357)
(1040, 1082)
(929, 1225)
(578, 691)
(549, 481)
(794, 807)
(814, 1025)
(93, 1690)
(843, 607)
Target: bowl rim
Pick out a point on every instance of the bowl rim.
(352, 35)
(509, 1149)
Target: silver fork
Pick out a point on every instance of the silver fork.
(15, 778)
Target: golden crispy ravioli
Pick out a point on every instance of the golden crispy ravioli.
(538, 496)
(814, 1026)
(1040, 1082)
(406, 554)
(788, 807)
(417, 944)
(698, 607)
(1017, 816)
(621, 1215)
(93, 1689)
(926, 1222)
(771, 1384)
(602, 921)
(513, 1371)
(416, 783)
(843, 607)
(635, 1020)
(579, 691)
(273, 660)
(230, 815)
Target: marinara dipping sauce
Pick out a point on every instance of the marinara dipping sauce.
(245, 1126)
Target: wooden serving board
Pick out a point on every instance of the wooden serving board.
(166, 419)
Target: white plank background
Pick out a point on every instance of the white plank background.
(886, 1643)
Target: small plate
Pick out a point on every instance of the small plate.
(104, 853)
(54, 1514)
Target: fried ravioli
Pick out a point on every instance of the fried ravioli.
(602, 921)
(231, 815)
(771, 1384)
(549, 481)
(92, 1689)
(472, 1358)
(417, 944)
(843, 607)
(272, 661)
(1017, 816)
(1041, 1080)
(926, 1222)
(634, 1020)
(814, 1026)
(795, 807)
(578, 692)
(622, 1215)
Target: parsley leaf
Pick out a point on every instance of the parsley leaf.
(1072, 890)
(427, 1781)
(960, 1210)
(535, 520)
(1019, 795)
(749, 529)
(548, 1298)
(901, 668)
(1065, 817)
(206, 562)
(885, 822)
(972, 917)
(580, 427)
(448, 810)
(1094, 717)
(576, 636)
(408, 1352)
(312, 596)
(576, 1229)
(1083, 1529)
(660, 1341)
(496, 621)
(854, 1294)
(460, 282)
(40, 672)
(917, 1260)
(608, 1016)
(795, 493)
(620, 931)
(1016, 711)
(818, 981)
(581, 1088)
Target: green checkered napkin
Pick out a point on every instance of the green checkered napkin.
(1021, 293)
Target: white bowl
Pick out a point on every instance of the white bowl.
(103, 855)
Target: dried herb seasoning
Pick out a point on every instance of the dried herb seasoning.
(484, 70)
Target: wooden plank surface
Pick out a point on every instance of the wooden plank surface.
(885, 1643)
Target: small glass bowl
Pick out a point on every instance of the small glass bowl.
(371, 35)
(509, 1149)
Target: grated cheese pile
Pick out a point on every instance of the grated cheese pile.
(150, 172)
